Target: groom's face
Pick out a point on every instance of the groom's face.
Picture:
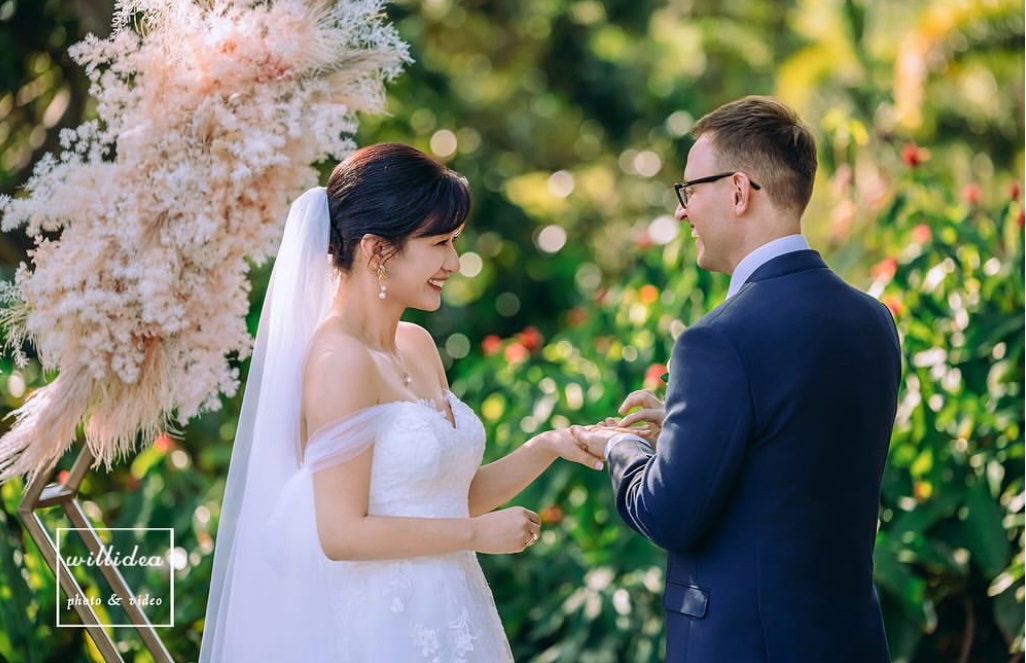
(708, 210)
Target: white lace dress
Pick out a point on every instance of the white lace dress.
(434, 609)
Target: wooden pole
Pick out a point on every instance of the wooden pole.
(44, 493)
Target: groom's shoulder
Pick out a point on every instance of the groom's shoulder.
(712, 328)
(735, 311)
(754, 306)
(793, 299)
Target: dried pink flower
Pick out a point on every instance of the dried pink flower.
(209, 118)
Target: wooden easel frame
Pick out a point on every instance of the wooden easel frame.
(43, 492)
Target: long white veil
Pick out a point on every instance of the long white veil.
(253, 609)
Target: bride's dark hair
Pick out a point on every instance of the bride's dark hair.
(393, 191)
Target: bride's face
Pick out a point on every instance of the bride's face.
(417, 275)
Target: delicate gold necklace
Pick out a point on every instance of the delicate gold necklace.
(406, 378)
(397, 361)
(403, 373)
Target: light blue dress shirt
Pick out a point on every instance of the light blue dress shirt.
(751, 262)
(762, 255)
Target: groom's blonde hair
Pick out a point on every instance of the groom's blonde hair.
(766, 139)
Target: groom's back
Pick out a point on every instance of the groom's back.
(791, 558)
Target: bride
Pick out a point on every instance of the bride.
(356, 499)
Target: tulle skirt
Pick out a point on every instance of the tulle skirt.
(435, 609)
(294, 605)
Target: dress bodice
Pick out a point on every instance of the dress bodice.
(423, 465)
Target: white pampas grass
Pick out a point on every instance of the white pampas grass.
(210, 113)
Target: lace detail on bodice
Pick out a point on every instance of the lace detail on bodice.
(422, 465)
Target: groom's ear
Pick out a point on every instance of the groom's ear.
(742, 193)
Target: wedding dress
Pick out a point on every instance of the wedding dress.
(436, 609)
(275, 597)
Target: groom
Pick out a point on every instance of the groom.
(764, 483)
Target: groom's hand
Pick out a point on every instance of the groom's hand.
(648, 411)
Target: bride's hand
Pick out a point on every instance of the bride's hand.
(563, 444)
(505, 531)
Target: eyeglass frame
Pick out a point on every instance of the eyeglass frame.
(680, 188)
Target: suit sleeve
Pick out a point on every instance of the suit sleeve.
(673, 495)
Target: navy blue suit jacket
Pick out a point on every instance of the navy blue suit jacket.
(764, 487)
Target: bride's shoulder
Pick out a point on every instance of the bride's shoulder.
(334, 363)
(415, 335)
(421, 346)
(332, 344)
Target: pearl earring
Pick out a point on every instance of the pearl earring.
(382, 272)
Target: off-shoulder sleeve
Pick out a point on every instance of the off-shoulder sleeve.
(290, 536)
(346, 438)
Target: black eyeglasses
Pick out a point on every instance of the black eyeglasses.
(681, 188)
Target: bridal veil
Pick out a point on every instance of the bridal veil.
(264, 605)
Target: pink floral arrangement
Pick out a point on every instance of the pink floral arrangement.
(209, 116)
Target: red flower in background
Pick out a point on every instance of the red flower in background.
(491, 345)
(551, 514)
(971, 194)
(1014, 191)
(894, 304)
(654, 375)
(921, 234)
(62, 477)
(913, 155)
(885, 269)
(531, 339)
(643, 240)
(1022, 219)
(648, 294)
(163, 443)
(516, 352)
(577, 316)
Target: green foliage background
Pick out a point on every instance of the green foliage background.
(570, 118)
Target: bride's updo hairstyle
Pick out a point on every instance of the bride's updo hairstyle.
(395, 192)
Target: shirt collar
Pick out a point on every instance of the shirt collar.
(763, 255)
